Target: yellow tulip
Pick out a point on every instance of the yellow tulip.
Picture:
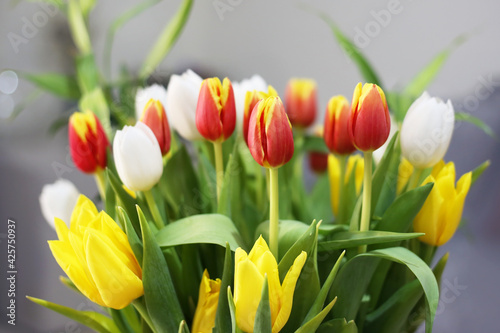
(354, 162)
(96, 255)
(442, 211)
(405, 171)
(208, 298)
(250, 271)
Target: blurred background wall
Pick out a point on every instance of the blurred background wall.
(278, 40)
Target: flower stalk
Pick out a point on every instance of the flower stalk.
(274, 211)
(101, 183)
(367, 196)
(219, 167)
(154, 209)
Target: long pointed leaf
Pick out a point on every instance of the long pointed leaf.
(263, 315)
(468, 118)
(58, 84)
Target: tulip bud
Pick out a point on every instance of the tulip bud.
(155, 118)
(216, 111)
(336, 134)
(355, 163)
(182, 96)
(138, 157)
(251, 99)
(240, 89)
(145, 95)
(441, 213)
(58, 200)
(369, 123)
(270, 137)
(250, 271)
(208, 299)
(96, 255)
(426, 131)
(87, 142)
(300, 100)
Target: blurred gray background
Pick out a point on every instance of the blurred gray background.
(278, 40)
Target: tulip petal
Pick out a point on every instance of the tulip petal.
(117, 284)
(427, 220)
(288, 288)
(208, 298)
(84, 211)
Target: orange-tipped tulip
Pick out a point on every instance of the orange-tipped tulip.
(300, 100)
(216, 110)
(251, 99)
(155, 118)
(87, 142)
(336, 134)
(270, 137)
(369, 123)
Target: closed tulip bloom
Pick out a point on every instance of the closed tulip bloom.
(96, 255)
(216, 111)
(240, 89)
(182, 97)
(426, 131)
(301, 101)
(369, 123)
(58, 200)
(155, 118)
(87, 142)
(138, 157)
(251, 99)
(336, 134)
(208, 298)
(442, 210)
(270, 137)
(145, 95)
(355, 163)
(250, 271)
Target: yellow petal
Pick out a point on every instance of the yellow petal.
(333, 177)
(66, 258)
(405, 171)
(83, 213)
(61, 230)
(288, 289)
(427, 219)
(208, 299)
(258, 249)
(116, 282)
(247, 291)
(267, 265)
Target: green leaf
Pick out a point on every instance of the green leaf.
(315, 309)
(232, 310)
(318, 200)
(314, 143)
(468, 118)
(339, 325)
(313, 324)
(205, 228)
(94, 320)
(119, 22)
(78, 27)
(383, 174)
(223, 315)
(183, 327)
(166, 40)
(364, 66)
(61, 85)
(125, 200)
(425, 77)
(477, 172)
(159, 291)
(349, 239)
(263, 315)
(133, 239)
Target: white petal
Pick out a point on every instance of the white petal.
(58, 200)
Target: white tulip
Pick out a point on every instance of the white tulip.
(379, 153)
(182, 98)
(426, 131)
(256, 82)
(138, 157)
(144, 95)
(58, 200)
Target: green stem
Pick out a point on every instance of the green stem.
(274, 212)
(143, 311)
(100, 180)
(414, 179)
(340, 207)
(219, 167)
(154, 209)
(367, 197)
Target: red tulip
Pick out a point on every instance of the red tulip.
(369, 123)
(87, 142)
(251, 99)
(216, 110)
(270, 137)
(336, 134)
(300, 100)
(155, 118)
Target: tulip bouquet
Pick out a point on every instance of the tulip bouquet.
(206, 224)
